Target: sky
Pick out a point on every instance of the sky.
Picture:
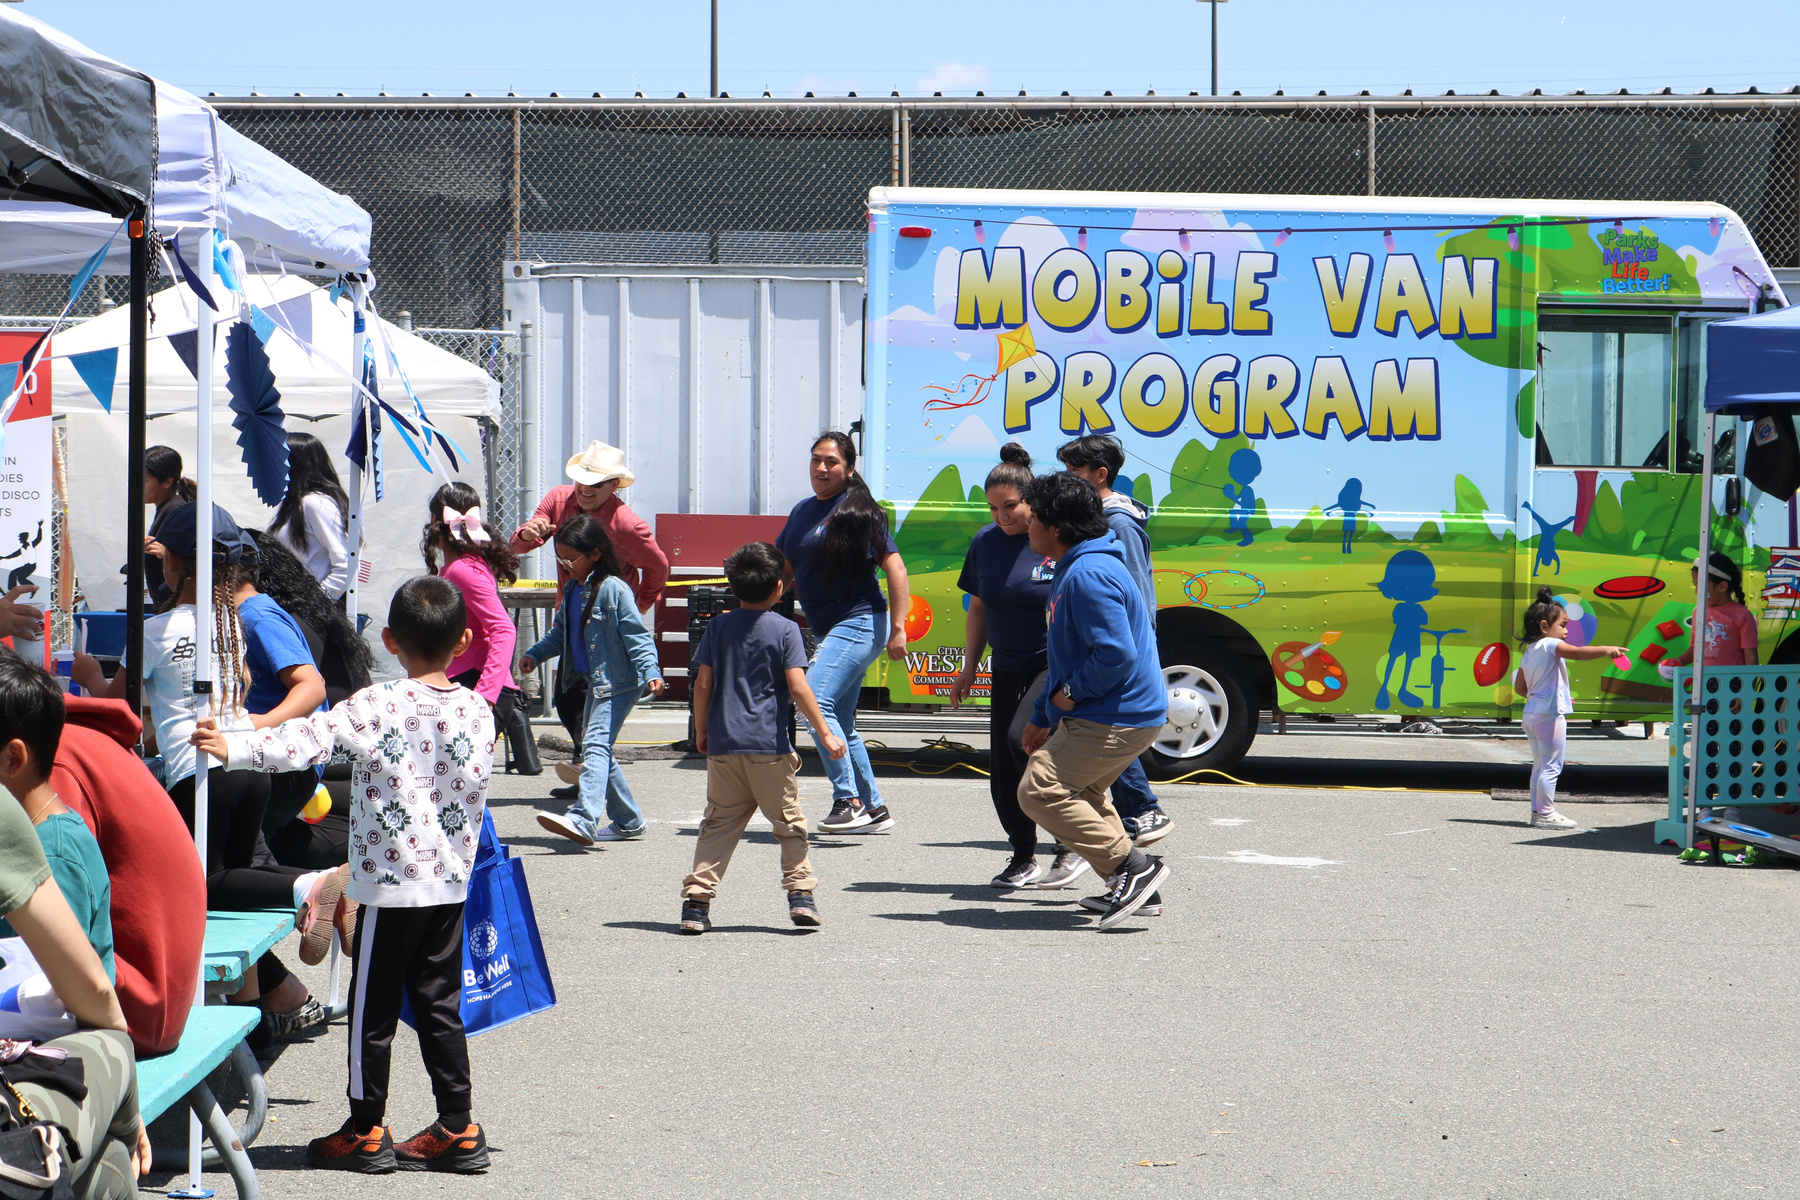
(958, 47)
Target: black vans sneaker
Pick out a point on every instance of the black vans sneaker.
(804, 910)
(1133, 889)
(1103, 902)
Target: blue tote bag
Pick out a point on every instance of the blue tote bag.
(505, 973)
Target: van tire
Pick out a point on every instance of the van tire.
(1209, 688)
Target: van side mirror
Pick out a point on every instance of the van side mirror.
(1734, 496)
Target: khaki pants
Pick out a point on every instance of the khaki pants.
(1064, 789)
(737, 785)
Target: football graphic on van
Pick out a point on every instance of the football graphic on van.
(1491, 663)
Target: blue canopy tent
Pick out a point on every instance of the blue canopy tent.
(1752, 368)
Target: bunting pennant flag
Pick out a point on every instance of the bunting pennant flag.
(365, 445)
(432, 432)
(187, 346)
(93, 264)
(98, 369)
(192, 279)
(224, 255)
(262, 323)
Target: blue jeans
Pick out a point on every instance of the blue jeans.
(1131, 794)
(836, 677)
(604, 794)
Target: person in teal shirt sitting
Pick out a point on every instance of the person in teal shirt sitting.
(31, 723)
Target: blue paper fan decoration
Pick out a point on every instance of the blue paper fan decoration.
(262, 434)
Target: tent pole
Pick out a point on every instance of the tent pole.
(138, 417)
(359, 349)
(203, 585)
(1698, 638)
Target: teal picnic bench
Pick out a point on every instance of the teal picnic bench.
(211, 1035)
(234, 941)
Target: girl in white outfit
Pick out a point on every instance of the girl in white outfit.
(1544, 681)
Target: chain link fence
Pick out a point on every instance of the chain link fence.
(456, 186)
(497, 353)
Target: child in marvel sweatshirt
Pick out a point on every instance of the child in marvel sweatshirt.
(421, 750)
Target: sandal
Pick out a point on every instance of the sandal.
(315, 934)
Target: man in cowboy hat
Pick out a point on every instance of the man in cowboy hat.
(599, 472)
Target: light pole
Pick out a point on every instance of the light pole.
(715, 51)
(1215, 38)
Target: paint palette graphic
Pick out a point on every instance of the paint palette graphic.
(1310, 672)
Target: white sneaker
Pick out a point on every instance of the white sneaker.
(1551, 820)
(557, 823)
(612, 833)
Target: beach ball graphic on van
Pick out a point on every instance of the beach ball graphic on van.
(1582, 623)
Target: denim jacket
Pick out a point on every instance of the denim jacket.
(621, 653)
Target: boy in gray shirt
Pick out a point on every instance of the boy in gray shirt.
(748, 664)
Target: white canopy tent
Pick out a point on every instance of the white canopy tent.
(208, 176)
(315, 397)
(209, 182)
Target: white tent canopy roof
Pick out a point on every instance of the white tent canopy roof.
(207, 176)
(311, 385)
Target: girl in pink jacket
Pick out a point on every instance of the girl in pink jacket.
(478, 562)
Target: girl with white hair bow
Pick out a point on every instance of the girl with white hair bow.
(478, 562)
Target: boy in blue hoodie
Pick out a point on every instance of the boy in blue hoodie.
(1103, 700)
(1099, 459)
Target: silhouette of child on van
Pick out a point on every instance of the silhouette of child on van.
(1350, 502)
(1546, 550)
(1410, 579)
(1245, 466)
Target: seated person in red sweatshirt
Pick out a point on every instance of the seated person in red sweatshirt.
(158, 892)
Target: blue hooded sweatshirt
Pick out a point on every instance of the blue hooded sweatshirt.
(1101, 642)
(1127, 518)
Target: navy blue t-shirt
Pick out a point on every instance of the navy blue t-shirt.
(750, 652)
(852, 593)
(1013, 582)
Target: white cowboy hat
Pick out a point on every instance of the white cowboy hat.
(599, 463)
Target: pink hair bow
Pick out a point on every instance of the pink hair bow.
(467, 525)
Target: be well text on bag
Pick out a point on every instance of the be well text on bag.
(505, 973)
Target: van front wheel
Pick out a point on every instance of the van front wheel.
(1212, 719)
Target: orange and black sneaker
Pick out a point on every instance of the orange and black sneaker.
(369, 1153)
(437, 1149)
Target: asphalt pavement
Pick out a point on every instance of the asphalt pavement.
(1395, 993)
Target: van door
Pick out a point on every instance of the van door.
(1604, 499)
(1613, 509)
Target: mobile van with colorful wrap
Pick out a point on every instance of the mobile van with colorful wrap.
(1366, 429)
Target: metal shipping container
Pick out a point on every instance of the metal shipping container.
(712, 379)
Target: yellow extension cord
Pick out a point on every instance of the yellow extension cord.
(946, 744)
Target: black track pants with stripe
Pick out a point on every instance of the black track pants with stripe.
(416, 952)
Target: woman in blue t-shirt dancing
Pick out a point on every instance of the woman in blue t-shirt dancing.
(1008, 585)
(833, 543)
